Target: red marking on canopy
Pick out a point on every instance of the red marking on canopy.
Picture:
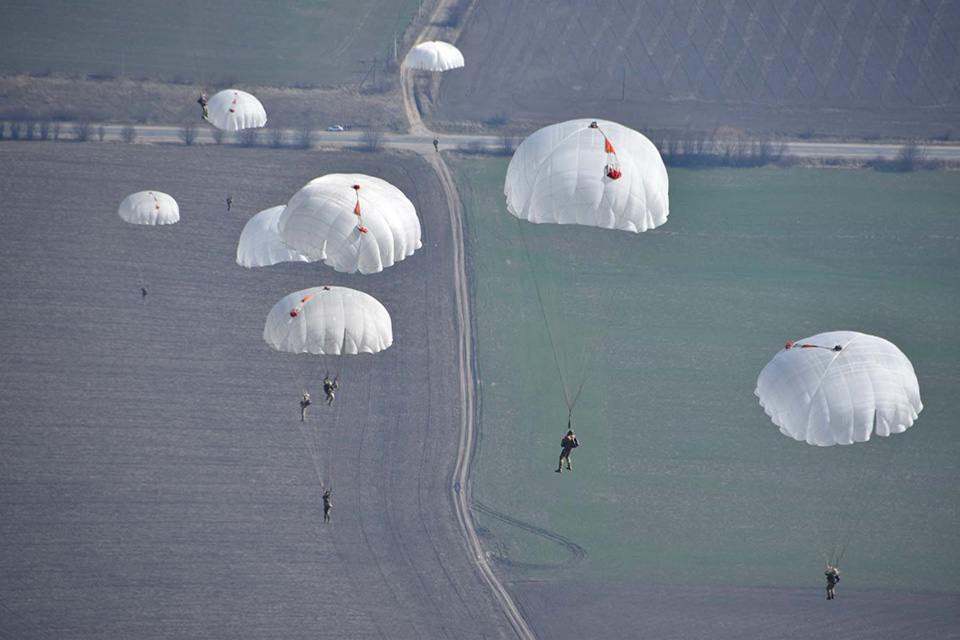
(608, 146)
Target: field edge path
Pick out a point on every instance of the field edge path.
(460, 488)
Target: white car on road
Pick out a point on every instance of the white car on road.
(335, 127)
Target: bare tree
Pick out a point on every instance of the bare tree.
(82, 131)
(128, 134)
(498, 119)
(249, 137)
(909, 157)
(507, 145)
(217, 135)
(31, 126)
(44, 129)
(779, 151)
(56, 130)
(764, 152)
(14, 130)
(101, 133)
(276, 138)
(188, 133)
(372, 138)
(304, 137)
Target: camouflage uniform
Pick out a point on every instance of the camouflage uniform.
(304, 403)
(327, 505)
(833, 577)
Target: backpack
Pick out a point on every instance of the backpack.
(575, 443)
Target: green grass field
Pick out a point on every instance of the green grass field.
(318, 43)
(681, 477)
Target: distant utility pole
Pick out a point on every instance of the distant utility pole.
(395, 48)
(123, 63)
(623, 86)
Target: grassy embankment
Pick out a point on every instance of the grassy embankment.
(681, 477)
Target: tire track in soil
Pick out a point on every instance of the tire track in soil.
(577, 553)
(423, 455)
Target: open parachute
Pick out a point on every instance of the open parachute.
(353, 222)
(260, 244)
(839, 387)
(588, 172)
(575, 180)
(328, 321)
(149, 208)
(434, 56)
(233, 110)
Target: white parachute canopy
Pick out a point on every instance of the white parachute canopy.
(824, 396)
(588, 172)
(434, 56)
(232, 110)
(149, 208)
(351, 221)
(260, 244)
(328, 320)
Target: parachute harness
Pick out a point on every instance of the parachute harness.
(612, 167)
(356, 210)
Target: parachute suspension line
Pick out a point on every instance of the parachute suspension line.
(546, 322)
(861, 498)
(612, 168)
(311, 449)
(356, 210)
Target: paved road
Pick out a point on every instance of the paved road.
(423, 141)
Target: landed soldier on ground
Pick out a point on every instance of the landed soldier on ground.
(568, 444)
(202, 101)
(143, 292)
(833, 577)
(329, 387)
(436, 145)
(327, 505)
(229, 202)
(304, 403)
